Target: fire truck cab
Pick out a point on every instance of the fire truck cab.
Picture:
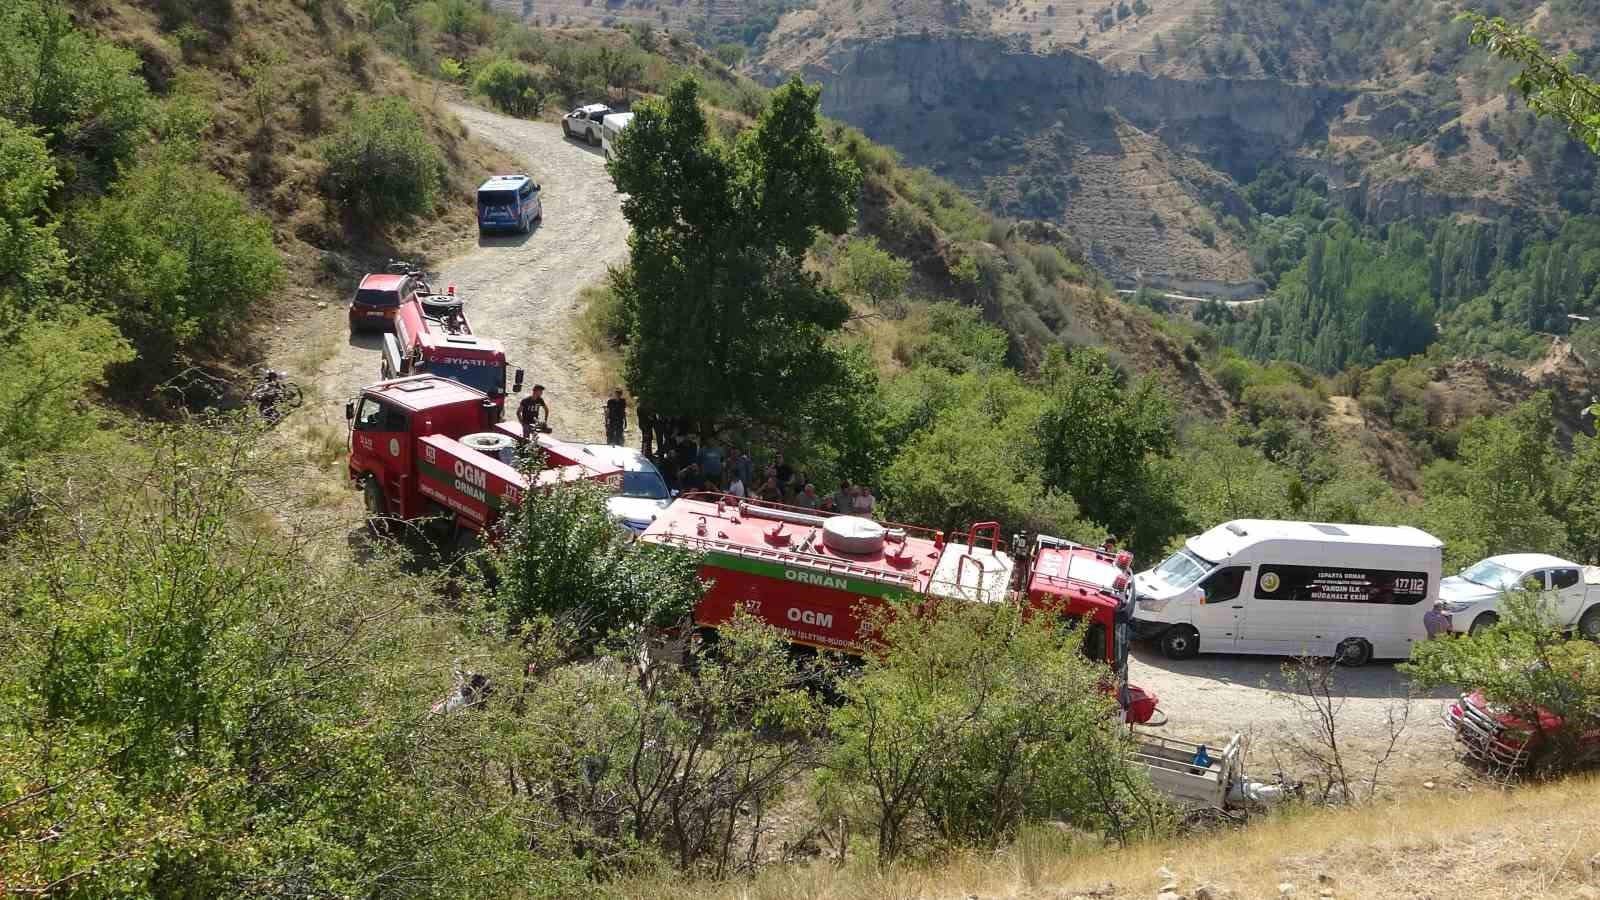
(432, 335)
(811, 575)
(426, 447)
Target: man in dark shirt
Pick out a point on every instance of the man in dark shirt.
(647, 425)
(616, 415)
(785, 472)
(691, 479)
(533, 413)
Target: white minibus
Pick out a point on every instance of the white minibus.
(1352, 592)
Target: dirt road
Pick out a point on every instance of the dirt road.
(1214, 696)
(522, 289)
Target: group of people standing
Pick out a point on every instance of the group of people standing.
(671, 444)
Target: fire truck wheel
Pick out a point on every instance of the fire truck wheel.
(1180, 642)
(1487, 620)
(1353, 652)
(1589, 625)
(377, 507)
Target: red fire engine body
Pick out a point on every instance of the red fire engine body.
(426, 447)
(432, 335)
(812, 575)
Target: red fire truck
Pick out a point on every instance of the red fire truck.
(431, 334)
(426, 447)
(810, 575)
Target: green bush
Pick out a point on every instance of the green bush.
(174, 256)
(85, 95)
(974, 723)
(44, 377)
(32, 264)
(511, 86)
(381, 164)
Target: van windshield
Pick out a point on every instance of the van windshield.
(1182, 569)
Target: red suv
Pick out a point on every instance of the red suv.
(377, 300)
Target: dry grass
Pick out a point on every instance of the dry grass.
(1483, 843)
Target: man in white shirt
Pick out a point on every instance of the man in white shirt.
(736, 488)
(865, 502)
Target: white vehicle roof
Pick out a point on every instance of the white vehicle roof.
(618, 121)
(1227, 539)
(593, 107)
(1523, 562)
(625, 458)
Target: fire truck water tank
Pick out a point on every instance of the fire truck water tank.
(499, 446)
(852, 534)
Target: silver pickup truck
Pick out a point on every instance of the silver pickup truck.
(1472, 597)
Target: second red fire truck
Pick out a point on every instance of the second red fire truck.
(432, 335)
(812, 576)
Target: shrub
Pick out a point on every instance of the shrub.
(32, 264)
(381, 162)
(974, 723)
(512, 86)
(174, 256)
(44, 376)
(865, 271)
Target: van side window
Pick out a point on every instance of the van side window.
(1564, 578)
(526, 191)
(1224, 584)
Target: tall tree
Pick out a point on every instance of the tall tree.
(726, 321)
(1098, 441)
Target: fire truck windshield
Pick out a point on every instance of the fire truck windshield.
(489, 378)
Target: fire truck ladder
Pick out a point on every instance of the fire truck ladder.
(793, 557)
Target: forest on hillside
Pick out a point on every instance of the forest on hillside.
(208, 692)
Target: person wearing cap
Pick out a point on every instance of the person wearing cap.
(1437, 621)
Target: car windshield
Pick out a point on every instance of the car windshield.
(1491, 574)
(645, 483)
(1182, 569)
(489, 379)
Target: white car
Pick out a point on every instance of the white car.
(585, 122)
(1472, 597)
(644, 492)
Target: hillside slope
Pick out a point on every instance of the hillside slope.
(1387, 105)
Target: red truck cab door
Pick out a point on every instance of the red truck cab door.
(381, 439)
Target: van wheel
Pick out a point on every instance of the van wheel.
(1589, 625)
(1485, 621)
(378, 516)
(1353, 652)
(1180, 642)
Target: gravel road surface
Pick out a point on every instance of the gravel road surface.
(523, 289)
(1215, 696)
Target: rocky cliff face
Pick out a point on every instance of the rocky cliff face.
(1132, 165)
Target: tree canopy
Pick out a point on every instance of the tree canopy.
(726, 322)
(1546, 81)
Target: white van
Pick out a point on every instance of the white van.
(610, 127)
(1353, 592)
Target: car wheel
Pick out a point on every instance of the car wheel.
(1483, 622)
(377, 507)
(1589, 625)
(566, 129)
(1353, 652)
(1180, 642)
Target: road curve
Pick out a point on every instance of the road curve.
(523, 289)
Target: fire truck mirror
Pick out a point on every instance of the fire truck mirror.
(349, 410)
(516, 384)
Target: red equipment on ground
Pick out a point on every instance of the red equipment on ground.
(432, 335)
(425, 447)
(812, 575)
